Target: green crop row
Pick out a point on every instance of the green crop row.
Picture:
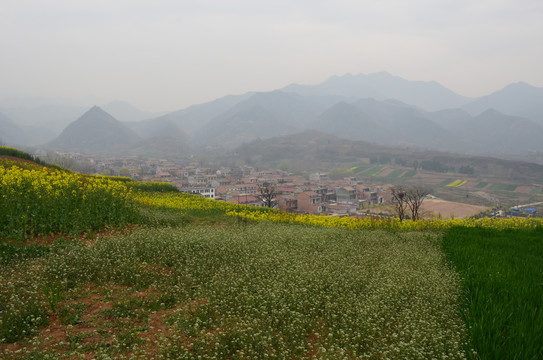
(502, 290)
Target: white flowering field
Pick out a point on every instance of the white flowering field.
(252, 291)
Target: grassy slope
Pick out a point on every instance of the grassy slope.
(503, 289)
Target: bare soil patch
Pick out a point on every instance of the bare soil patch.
(386, 172)
(523, 189)
(449, 209)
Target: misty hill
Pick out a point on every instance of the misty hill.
(95, 132)
(451, 119)
(36, 135)
(314, 150)
(309, 150)
(26, 135)
(381, 86)
(388, 122)
(243, 125)
(291, 108)
(392, 123)
(160, 138)
(495, 133)
(385, 122)
(157, 127)
(519, 99)
(52, 117)
(123, 111)
(407, 124)
(10, 133)
(196, 116)
(261, 115)
(159, 146)
(348, 121)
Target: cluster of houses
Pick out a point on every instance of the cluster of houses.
(312, 194)
(316, 194)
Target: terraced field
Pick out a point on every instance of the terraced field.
(481, 185)
(457, 183)
(502, 187)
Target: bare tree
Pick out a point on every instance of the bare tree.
(399, 200)
(267, 194)
(409, 198)
(415, 196)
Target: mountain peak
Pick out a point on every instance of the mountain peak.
(95, 131)
(520, 85)
(96, 111)
(96, 114)
(490, 112)
(518, 99)
(383, 74)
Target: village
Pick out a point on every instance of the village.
(309, 193)
(314, 193)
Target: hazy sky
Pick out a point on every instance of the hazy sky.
(168, 54)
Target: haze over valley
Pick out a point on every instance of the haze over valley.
(448, 89)
(379, 108)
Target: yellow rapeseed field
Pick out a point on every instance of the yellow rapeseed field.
(192, 203)
(41, 201)
(457, 183)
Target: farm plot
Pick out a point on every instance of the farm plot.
(40, 201)
(360, 168)
(481, 185)
(408, 174)
(523, 189)
(445, 182)
(457, 183)
(391, 175)
(450, 209)
(253, 292)
(378, 171)
(502, 187)
(502, 290)
(372, 170)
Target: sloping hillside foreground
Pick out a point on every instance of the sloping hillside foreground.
(190, 281)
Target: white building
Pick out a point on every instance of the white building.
(207, 192)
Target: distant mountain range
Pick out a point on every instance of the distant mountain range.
(519, 99)
(390, 123)
(9, 132)
(378, 108)
(382, 86)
